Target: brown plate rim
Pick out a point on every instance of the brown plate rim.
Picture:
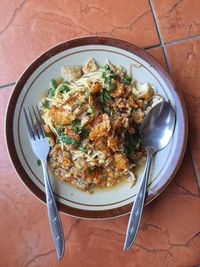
(113, 42)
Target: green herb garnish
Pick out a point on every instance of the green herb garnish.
(131, 143)
(107, 74)
(51, 92)
(39, 162)
(126, 79)
(112, 86)
(90, 109)
(78, 103)
(53, 84)
(52, 88)
(45, 105)
(63, 88)
(87, 94)
(68, 140)
(59, 129)
(107, 80)
(104, 97)
(104, 74)
(82, 148)
(106, 67)
(102, 161)
(76, 126)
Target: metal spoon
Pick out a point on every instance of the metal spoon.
(155, 132)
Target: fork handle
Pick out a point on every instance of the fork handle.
(136, 211)
(53, 215)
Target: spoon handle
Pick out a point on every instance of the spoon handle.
(136, 211)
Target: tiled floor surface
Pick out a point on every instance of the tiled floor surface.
(170, 228)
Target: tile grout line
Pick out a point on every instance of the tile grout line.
(7, 85)
(194, 168)
(159, 34)
(177, 41)
(182, 39)
(169, 68)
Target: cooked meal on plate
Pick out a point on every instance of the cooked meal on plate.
(92, 117)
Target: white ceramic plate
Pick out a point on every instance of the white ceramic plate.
(104, 203)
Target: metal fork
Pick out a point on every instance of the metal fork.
(41, 149)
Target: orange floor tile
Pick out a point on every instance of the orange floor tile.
(169, 234)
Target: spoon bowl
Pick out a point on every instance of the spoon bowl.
(157, 127)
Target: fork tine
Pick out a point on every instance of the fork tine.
(35, 131)
(40, 120)
(39, 128)
(28, 125)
